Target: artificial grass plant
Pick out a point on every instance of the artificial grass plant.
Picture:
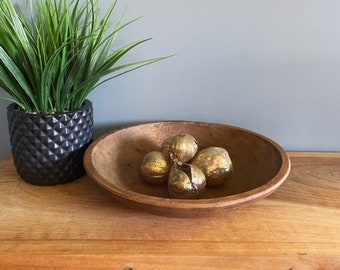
(55, 52)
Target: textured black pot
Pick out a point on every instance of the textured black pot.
(49, 149)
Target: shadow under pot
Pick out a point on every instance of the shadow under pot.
(49, 149)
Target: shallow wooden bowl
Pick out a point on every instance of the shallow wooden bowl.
(260, 167)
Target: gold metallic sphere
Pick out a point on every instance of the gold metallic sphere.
(215, 163)
(186, 182)
(166, 145)
(182, 147)
(155, 167)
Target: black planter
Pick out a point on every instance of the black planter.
(49, 149)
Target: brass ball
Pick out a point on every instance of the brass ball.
(215, 163)
(155, 167)
(166, 145)
(182, 147)
(186, 182)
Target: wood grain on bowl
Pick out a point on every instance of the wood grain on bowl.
(260, 167)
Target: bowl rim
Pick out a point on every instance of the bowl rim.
(230, 201)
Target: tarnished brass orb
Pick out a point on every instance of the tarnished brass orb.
(186, 182)
(155, 167)
(166, 145)
(182, 147)
(215, 163)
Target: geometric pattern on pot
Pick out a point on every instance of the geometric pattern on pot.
(49, 149)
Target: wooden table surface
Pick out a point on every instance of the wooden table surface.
(79, 226)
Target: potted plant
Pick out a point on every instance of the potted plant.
(52, 55)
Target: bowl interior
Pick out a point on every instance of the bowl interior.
(116, 157)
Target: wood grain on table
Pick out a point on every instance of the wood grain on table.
(80, 226)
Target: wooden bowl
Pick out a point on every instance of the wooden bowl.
(260, 167)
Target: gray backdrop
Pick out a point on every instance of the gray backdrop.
(271, 66)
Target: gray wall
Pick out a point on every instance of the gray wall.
(267, 65)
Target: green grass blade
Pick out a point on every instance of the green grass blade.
(16, 73)
(13, 90)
